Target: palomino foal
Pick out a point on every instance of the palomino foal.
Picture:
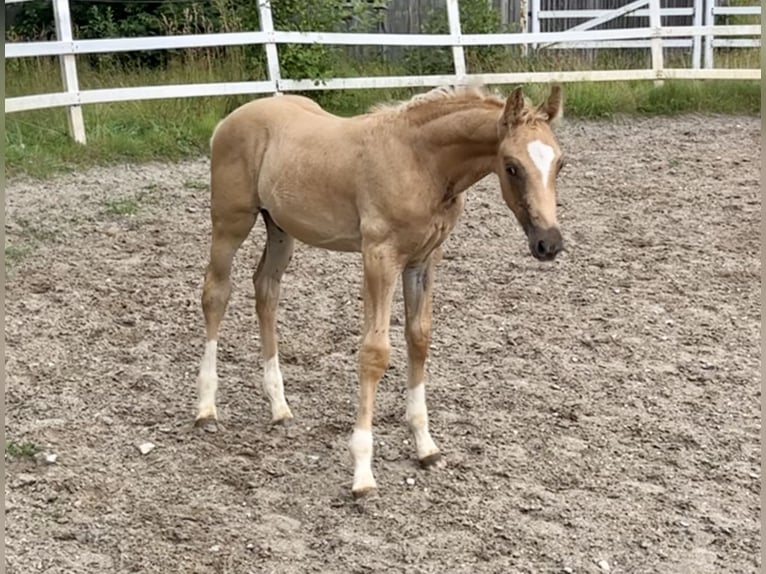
(389, 184)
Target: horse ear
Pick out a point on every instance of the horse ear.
(553, 107)
(514, 106)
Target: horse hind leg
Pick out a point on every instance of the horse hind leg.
(267, 282)
(229, 233)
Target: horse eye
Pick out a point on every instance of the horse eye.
(511, 170)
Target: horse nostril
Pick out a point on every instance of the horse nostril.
(541, 247)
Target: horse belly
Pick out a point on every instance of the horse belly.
(332, 225)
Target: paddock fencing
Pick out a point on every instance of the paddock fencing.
(699, 28)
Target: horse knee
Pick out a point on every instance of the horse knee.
(216, 290)
(374, 358)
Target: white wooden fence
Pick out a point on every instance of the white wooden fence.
(655, 37)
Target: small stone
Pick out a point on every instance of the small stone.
(215, 548)
(46, 457)
(146, 447)
(604, 565)
(568, 570)
(250, 546)
(683, 523)
(753, 475)
(313, 458)
(410, 481)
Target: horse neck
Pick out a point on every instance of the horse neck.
(462, 145)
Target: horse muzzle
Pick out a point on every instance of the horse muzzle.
(545, 244)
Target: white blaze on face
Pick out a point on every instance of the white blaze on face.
(542, 156)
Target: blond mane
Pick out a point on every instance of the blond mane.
(446, 99)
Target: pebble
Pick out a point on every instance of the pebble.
(46, 457)
(410, 481)
(215, 548)
(146, 447)
(604, 565)
(568, 570)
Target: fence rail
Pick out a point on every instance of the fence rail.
(655, 37)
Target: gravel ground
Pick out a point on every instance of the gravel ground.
(601, 413)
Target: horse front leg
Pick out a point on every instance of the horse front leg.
(381, 269)
(417, 285)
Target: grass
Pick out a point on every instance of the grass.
(15, 254)
(15, 449)
(126, 206)
(29, 236)
(37, 143)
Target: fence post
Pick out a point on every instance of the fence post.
(697, 40)
(524, 23)
(655, 23)
(272, 56)
(68, 63)
(458, 55)
(709, 20)
(535, 19)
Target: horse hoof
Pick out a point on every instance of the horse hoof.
(207, 424)
(432, 461)
(282, 420)
(365, 493)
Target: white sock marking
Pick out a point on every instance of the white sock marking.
(361, 449)
(274, 389)
(208, 380)
(417, 417)
(542, 156)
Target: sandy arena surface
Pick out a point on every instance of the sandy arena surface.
(600, 412)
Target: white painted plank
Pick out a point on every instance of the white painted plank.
(32, 49)
(28, 49)
(712, 74)
(642, 13)
(40, 101)
(737, 10)
(107, 95)
(737, 43)
(620, 44)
